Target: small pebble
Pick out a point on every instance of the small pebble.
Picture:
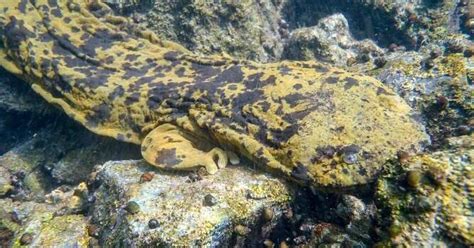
(289, 214)
(455, 46)
(283, 23)
(351, 61)
(463, 130)
(299, 240)
(442, 102)
(26, 239)
(363, 58)
(283, 244)
(428, 63)
(147, 177)
(241, 230)
(132, 207)
(435, 53)
(380, 62)
(414, 178)
(268, 243)
(413, 18)
(395, 229)
(469, 51)
(403, 156)
(209, 200)
(153, 223)
(93, 231)
(194, 177)
(268, 214)
(393, 47)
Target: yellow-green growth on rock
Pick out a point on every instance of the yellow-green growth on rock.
(437, 209)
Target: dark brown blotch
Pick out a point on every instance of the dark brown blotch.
(350, 82)
(301, 173)
(382, 91)
(297, 86)
(167, 157)
(332, 80)
(116, 93)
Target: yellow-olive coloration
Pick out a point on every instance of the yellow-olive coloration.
(315, 123)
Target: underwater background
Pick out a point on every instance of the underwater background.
(61, 185)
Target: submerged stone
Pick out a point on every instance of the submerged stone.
(438, 211)
(171, 209)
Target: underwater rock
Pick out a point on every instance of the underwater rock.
(259, 30)
(49, 157)
(357, 216)
(244, 29)
(441, 94)
(16, 96)
(438, 212)
(28, 158)
(77, 164)
(36, 225)
(5, 184)
(330, 235)
(22, 112)
(331, 41)
(173, 205)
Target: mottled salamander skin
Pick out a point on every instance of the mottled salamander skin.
(316, 124)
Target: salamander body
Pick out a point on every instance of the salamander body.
(312, 122)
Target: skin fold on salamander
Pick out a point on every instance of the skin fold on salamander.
(314, 123)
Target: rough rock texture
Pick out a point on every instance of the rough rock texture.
(427, 199)
(21, 112)
(245, 29)
(331, 41)
(38, 225)
(49, 157)
(437, 82)
(211, 211)
(357, 215)
(16, 96)
(259, 30)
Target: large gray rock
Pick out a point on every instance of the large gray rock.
(208, 212)
(259, 30)
(244, 29)
(331, 41)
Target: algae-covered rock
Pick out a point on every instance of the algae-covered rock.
(330, 40)
(36, 225)
(49, 157)
(437, 85)
(437, 210)
(172, 209)
(27, 160)
(5, 184)
(245, 29)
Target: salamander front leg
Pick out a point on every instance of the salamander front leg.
(169, 147)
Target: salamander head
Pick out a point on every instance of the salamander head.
(336, 134)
